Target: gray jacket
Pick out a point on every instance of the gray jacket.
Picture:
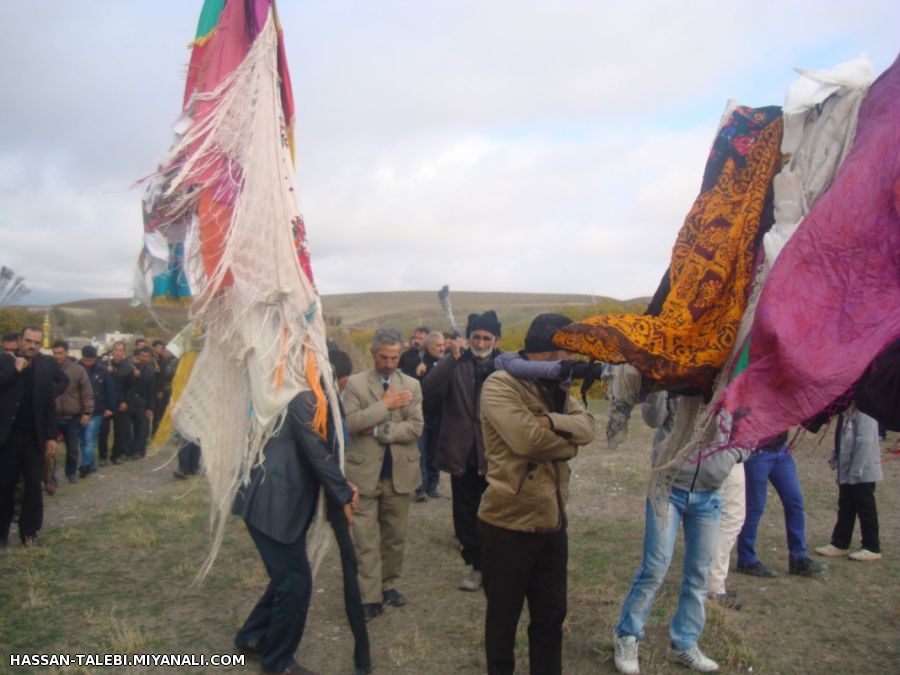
(857, 452)
(703, 470)
(280, 499)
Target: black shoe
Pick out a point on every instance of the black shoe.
(805, 567)
(421, 496)
(756, 569)
(84, 471)
(251, 649)
(434, 494)
(178, 473)
(72, 479)
(372, 609)
(394, 598)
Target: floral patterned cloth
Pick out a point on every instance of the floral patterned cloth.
(710, 271)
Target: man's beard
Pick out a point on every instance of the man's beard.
(482, 353)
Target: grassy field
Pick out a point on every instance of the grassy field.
(118, 580)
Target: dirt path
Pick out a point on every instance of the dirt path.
(111, 487)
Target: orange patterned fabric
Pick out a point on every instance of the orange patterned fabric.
(710, 276)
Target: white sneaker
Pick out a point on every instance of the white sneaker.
(864, 555)
(832, 551)
(626, 654)
(692, 658)
(471, 581)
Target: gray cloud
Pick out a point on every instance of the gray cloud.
(526, 145)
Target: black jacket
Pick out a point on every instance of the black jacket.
(453, 386)
(104, 391)
(123, 378)
(410, 360)
(280, 499)
(49, 382)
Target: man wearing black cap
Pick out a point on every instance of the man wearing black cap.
(531, 429)
(454, 387)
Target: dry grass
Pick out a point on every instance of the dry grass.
(87, 592)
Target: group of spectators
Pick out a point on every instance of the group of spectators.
(81, 402)
(502, 425)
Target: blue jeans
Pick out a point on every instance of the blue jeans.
(70, 428)
(700, 513)
(779, 468)
(89, 435)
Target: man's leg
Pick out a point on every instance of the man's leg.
(71, 431)
(32, 517)
(787, 484)
(701, 527)
(103, 439)
(507, 559)
(121, 434)
(756, 470)
(159, 410)
(734, 508)
(392, 520)
(11, 460)
(659, 543)
(842, 535)
(291, 579)
(467, 491)
(367, 539)
(141, 427)
(89, 435)
(547, 594)
(864, 496)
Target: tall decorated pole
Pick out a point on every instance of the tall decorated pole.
(223, 233)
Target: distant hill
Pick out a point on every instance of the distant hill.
(347, 313)
(402, 308)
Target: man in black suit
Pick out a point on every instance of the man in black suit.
(29, 384)
(277, 506)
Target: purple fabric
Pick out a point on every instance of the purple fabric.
(831, 303)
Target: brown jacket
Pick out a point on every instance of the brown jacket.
(78, 398)
(528, 473)
(364, 409)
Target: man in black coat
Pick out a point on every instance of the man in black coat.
(277, 506)
(453, 386)
(29, 384)
(124, 376)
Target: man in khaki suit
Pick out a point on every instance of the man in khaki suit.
(383, 409)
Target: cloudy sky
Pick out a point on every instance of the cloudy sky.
(499, 145)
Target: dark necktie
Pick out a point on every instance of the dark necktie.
(387, 465)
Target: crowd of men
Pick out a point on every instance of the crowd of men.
(502, 425)
(79, 402)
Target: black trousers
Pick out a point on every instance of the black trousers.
(356, 617)
(277, 621)
(21, 455)
(856, 500)
(467, 490)
(121, 433)
(516, 566)
(103, 438)
(159, 410)
(189, 459)
(140, 425)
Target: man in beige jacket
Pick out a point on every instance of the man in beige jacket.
(383, 409)
(531, 429)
